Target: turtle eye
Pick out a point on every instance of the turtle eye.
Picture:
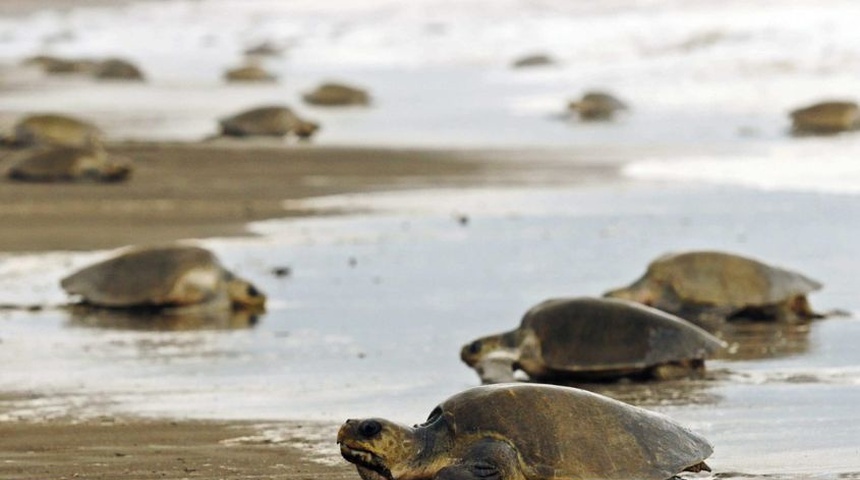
(475, 347)
(369, 428)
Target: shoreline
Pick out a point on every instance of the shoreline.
(179, 191)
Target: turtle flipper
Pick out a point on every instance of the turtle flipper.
(486, 460)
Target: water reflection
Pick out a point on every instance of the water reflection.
(749, 340)
(116, 319)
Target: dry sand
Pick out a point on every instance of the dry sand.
(199, 190)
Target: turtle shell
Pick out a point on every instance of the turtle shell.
(265, 121)
(66, 163)
(567, 433)
(826, 117)
(598, 334)
(51, 129)
(337, 94)
(727, 280)
(155, 276)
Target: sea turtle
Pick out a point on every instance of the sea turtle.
(336, 95)
(707, 286)
(118, 69)
(56, 65)
(52, 164)
(584, 338)
(248, 73)
(264, 49)
(272, 121)
(596, 106)
(533, 60)
(172, 277)
(525, 432)
(826, 118)
(52, 129)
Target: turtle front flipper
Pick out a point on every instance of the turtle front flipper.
(486, 460)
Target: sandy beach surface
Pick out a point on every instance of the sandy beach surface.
(196, 190)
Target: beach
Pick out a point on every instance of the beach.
(460, 197)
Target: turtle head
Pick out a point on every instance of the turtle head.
(639, 292)
(494, 357)
(477, 351)
(380, 449)
(244, 295)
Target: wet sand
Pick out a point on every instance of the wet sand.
(118, 448)
(203, 190)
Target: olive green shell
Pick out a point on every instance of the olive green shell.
(118, 69)
(724, 279)
(264, 121)
(337, 94)
(248, 73)
(597, 106)
(826, 117)
(69, 164)
(53, 129)
(154, 276)
(567, 433)
(599, 334)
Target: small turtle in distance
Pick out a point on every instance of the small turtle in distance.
(596, 106)
(712, 286)
(248, 73)
(525, 432)
(270, 121)
(336, 95)
(826, 118)
(592, 339)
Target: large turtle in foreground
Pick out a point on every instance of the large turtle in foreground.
(572, 339)
(708, 286)
(173, 277)
(69, 164)
(525, 432)
(52, 129)
(270, 121)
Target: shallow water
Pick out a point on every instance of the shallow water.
(373, 314)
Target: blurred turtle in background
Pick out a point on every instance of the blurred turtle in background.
(53, 130)
(57, 65)
(337, 95)
(533, 60)
(248, 73)
(118, 69)
(710, 286)
(69, 164)
(593, 339)
(596, 106)
(270, 121)
(825, 118)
